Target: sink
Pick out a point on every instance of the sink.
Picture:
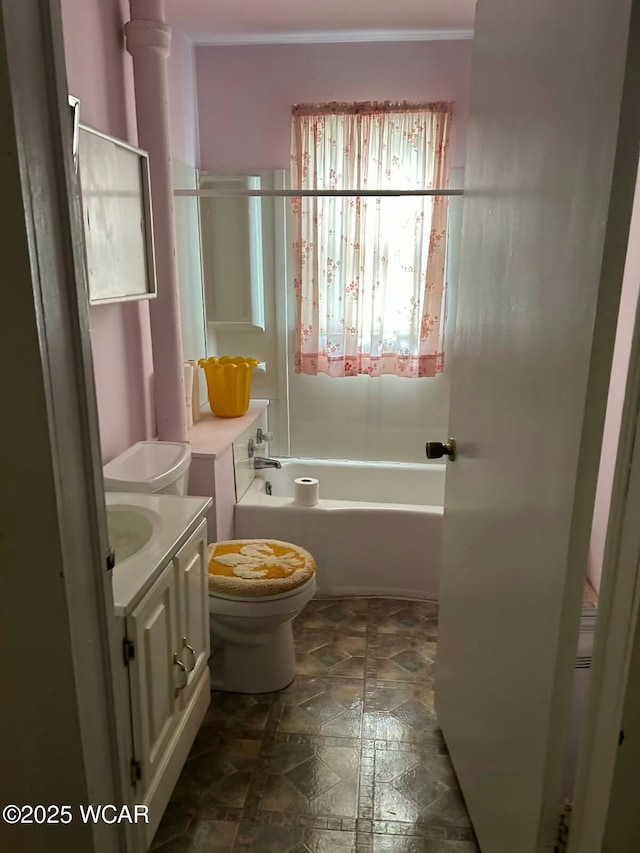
(130, 529)
(145, 530)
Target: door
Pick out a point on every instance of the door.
(60, 720)
(191, 560)
(154, 677)
(551, 163)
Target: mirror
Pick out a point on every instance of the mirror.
(116, 213)
(232, 263)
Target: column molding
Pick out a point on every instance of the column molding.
(148, 40)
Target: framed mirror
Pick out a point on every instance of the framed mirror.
(232, 254)
(117, 217)
(74, 104)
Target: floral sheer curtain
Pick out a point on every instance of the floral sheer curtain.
(370, 272)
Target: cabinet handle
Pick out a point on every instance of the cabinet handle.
(192, 652)
(184, 674)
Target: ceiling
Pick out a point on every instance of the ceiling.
(255, 21)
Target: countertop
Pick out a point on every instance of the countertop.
(132, 577)
(211, 436)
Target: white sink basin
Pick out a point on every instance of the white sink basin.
(130, 529)
(144, 531)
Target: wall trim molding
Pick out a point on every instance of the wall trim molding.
(325, 37)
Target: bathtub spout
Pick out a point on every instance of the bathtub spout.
(260, 462)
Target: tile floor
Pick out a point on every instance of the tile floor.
(348, 758)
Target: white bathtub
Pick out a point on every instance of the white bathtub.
(376, 530)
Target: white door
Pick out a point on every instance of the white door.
(194, 607)
(152, 627)
(543, 246)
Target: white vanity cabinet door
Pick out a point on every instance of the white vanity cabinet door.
(152, 627)
(191, 562)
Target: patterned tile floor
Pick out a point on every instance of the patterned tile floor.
(348, 758)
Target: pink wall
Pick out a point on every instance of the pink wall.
(99, 72)
(245, 92)
(182, 100)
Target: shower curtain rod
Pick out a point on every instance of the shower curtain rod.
(309, 193)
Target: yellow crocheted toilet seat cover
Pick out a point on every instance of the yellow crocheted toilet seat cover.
(257, 567)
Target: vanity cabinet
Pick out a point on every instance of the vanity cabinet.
(152, 642)
(194, 638)
(166, 651)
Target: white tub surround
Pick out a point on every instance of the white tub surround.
(364, 482)
(148, 40)
(376, 530)
(218, 459)
(244, 453)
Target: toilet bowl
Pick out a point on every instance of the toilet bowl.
(256, 589)
(256, 638)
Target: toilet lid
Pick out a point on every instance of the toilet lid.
(258, 567)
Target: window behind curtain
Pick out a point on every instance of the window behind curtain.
(370, 271)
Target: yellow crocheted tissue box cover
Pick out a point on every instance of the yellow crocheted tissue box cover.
(256, 567)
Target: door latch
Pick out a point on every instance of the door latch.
(110, 558)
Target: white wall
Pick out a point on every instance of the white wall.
(183, 113)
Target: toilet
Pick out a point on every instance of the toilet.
(256, 586)
(256, 589)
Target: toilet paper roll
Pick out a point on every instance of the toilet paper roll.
(306, 491)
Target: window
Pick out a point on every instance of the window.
(370, 271)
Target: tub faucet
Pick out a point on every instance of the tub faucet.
(260, 462)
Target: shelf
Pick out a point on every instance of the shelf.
(211, 436)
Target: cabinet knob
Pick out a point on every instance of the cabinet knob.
(192, 652)
(436, 449)
(183, 673)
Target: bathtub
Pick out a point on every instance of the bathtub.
(376, 530)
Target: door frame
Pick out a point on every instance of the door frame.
(59, 396)
(617, 643)
(614, 664)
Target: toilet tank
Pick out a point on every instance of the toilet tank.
(150, 467)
